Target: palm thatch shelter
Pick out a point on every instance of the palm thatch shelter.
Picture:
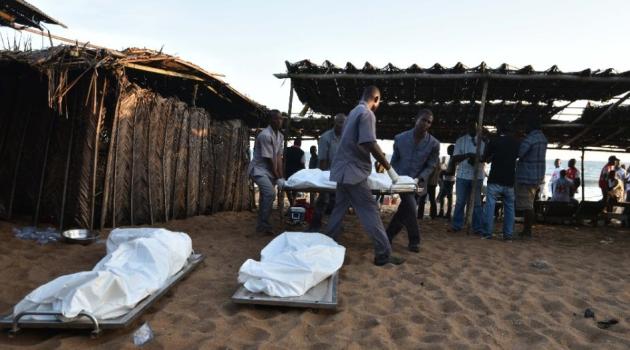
(459, 93)
(95, 137)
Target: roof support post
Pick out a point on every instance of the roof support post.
(582, 177)
(286, 136)
(476, 175)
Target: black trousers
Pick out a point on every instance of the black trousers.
(433, 205)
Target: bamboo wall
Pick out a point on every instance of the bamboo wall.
(118, 155)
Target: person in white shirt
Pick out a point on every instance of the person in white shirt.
(555, 175)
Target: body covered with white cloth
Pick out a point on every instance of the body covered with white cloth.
(291, 264)
(318, 179)
(138, 262)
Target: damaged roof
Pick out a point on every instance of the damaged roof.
(169, 75)
(20, 12)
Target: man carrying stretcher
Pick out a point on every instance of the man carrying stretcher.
(350, 169)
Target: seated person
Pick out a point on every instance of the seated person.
(562, 188)
(614, 190)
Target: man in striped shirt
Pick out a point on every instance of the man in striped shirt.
(530, 172)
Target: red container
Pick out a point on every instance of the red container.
(308, 216)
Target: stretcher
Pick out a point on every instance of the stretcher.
(87, 321)
(420, 191)
(322, 296)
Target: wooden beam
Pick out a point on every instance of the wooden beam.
(453, 76)
(162, 71)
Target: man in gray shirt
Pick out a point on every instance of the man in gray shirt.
(416, 154)
(350, 169)
(328, 143)
(266, 168)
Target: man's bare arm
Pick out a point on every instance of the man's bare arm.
(377, 153)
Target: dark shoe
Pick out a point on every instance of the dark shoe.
(507, 239)
(414, 249)
(486, 237)
(524, 235)
(452, 230)
(392, 259)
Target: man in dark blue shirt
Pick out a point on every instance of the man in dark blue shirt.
(501, 152)
(350, 169)
(416, 153)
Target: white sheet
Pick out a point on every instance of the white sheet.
(138, 262)
(316, 178)
(291, 264)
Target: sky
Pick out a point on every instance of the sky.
(248, 41)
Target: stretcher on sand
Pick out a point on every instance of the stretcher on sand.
(322, 296)
(87, 321)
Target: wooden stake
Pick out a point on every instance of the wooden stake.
(65, 177)
(18, 160)
(53, 119)
(97, 133)
(109, 167)
(472, 199)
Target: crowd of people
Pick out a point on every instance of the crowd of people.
(516, 160)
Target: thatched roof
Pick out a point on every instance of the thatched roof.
(612, 130)
(20, 12)
(453, 94)
(168, 75)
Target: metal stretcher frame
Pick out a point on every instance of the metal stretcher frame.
(87, 321)
(321, 296)
(287, 189)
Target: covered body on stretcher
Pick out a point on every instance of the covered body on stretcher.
(316, 180)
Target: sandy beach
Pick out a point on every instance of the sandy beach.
(459, 292)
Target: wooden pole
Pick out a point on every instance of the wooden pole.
(286, 135)
(109, 167)
(97, 133)
(53, 119)
(67, 171)
(457, 76)
(133, 156)
(582, 177)
(471, 200)
(18, 161)
(149, 141)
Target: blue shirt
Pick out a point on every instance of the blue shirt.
(415, 160)
(328, 144)
(268, 144)
(530, 169)
(352, 163)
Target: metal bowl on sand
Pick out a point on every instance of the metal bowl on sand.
(80, 236)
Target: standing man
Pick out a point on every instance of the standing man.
(313, 161)
(464, 155)
(416, 154)
(501, 152)
(266, 168)
(294, 161)
(446, 188)
(350, 169)
(573, 174)
(530, 173)
(603, 176)
(328, 144)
